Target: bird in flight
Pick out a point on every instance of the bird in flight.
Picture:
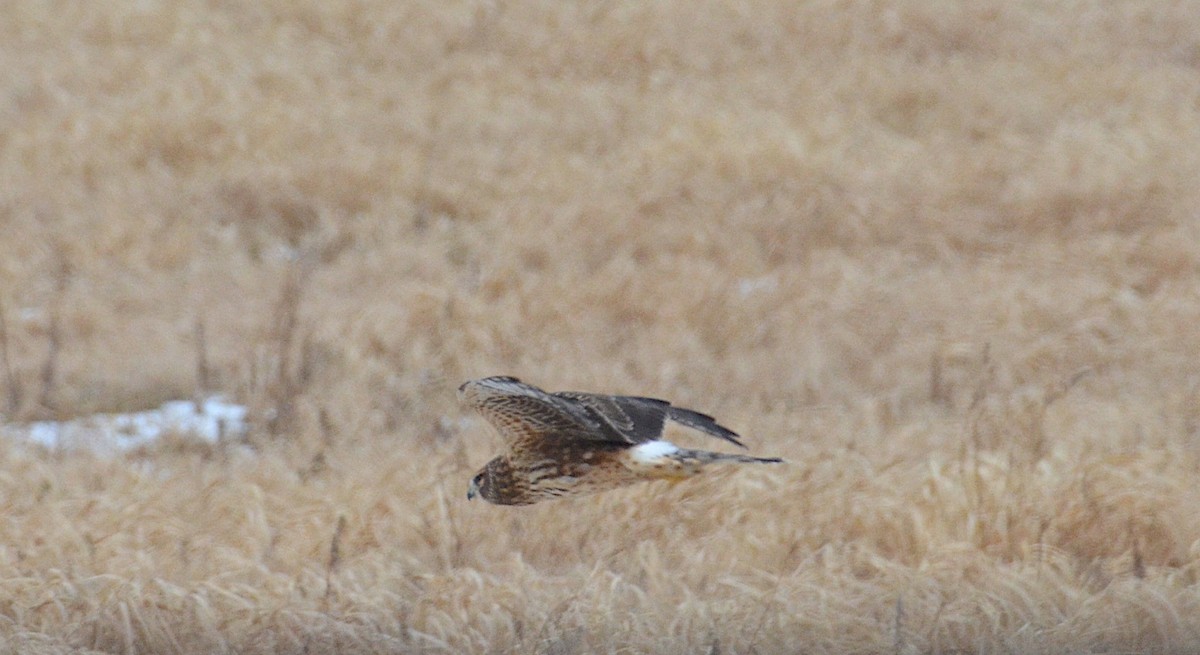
(570, 443)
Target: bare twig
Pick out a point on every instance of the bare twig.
(203, 381)
(326, 424)
(1139, 563)
(54, 337)
(335, 556)
(276, 379)
(286, 385)
(937, 385)
(287, 317)
(898, 627)
(10, 379)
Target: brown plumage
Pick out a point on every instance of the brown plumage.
(571, 443)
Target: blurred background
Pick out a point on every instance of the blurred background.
(810, 201)
(898, 232)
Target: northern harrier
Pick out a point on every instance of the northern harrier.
(571, 443)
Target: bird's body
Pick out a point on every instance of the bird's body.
(572, 443)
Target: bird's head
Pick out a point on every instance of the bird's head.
(477, 483)
(488, 481)
(497, 484)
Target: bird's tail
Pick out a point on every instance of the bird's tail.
(690, 462)
(708, 457)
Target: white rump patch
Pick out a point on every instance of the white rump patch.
(652, 452)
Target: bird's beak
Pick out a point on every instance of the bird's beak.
(472, 491)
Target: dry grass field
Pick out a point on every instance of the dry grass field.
(943, 257)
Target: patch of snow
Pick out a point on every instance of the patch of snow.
(751, 285)
(31, 314)
(210, 420)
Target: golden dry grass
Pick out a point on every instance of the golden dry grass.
(943, 257)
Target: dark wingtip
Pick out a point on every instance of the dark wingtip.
(704, 423)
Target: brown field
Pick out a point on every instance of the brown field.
(943, 257)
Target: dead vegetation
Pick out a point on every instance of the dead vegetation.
(942, 258)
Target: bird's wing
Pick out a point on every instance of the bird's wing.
(635, 419)
(528, 417)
